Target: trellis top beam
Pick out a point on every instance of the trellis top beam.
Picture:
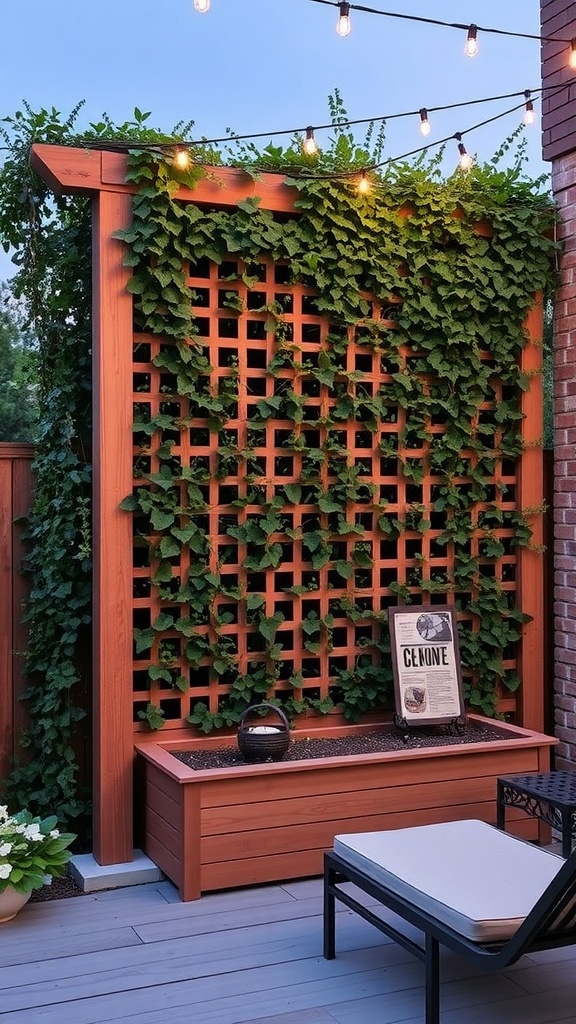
(78, 171)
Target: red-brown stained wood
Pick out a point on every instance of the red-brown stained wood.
(531, 494)
(112, 385)
(6, 616)
(16, 487)
(271, 822)
(191, 841)
(356, 804)
(319, 836)
(161, 826)
(70, 171)
(162, 798)
(116, 695)
(306, 863)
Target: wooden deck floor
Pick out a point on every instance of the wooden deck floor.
(140, 956)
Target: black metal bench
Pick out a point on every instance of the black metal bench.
(550, 920)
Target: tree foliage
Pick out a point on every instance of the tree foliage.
(18, 376)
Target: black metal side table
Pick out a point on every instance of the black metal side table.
(550, 796)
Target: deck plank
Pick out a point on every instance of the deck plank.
(251, 956)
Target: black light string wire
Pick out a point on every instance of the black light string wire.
(233, 137)
(363, 170)
(358, 172)
(444, 24)
(121, 145)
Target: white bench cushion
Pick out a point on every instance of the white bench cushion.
(479, 881)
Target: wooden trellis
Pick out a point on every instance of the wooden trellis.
(128, 386)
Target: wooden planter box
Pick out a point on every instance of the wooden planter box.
(226, 827)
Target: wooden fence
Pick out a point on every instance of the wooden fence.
(16, 489)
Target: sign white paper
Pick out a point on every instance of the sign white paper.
(428, 682)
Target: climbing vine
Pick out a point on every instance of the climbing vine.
(51, 241)
(411, 250)
(452, 362)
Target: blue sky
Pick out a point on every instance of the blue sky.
(267, 65)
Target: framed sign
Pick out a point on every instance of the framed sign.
(426, 665)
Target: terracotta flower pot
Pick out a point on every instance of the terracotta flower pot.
(11, 902)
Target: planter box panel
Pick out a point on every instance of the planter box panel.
(162, 815)
(163, 797)
(167, 834)
(319, 835)
(272, 842)
(265, 839)
(259, 871)
(227, 827)
(276, 781)
(166, 860)
(306, 863)
(363, 802)
(158, 824)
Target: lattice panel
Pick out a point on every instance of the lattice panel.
(366, 566)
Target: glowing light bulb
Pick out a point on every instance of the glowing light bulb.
(309, 146)
(471, 44)
(529, 115)
(363, 184)
(201, 6)
(424, 122)
(343, 25)
(181, 158)
(572, 57)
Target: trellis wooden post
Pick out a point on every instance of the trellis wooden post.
(112, 388)
(531, 487)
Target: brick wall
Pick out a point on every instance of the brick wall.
(564, 185)
(558, 18)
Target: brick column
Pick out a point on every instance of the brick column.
(564, 187)
(558, 27)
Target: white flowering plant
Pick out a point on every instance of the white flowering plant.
(32, 850)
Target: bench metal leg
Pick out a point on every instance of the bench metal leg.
(432, 980)
(500, 807)
(567, 818)
(329, 915)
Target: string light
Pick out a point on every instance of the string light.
(364, 184)
(458, 25)
(445, 24)
(471, 45)
(424, 122)
(310, 145)
(202, 6)
(117, 145)
(181, 158)
(358, 121)
(343, 25)
(466, 160)
(529, 115)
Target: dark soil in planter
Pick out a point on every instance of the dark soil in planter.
(374, 742)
